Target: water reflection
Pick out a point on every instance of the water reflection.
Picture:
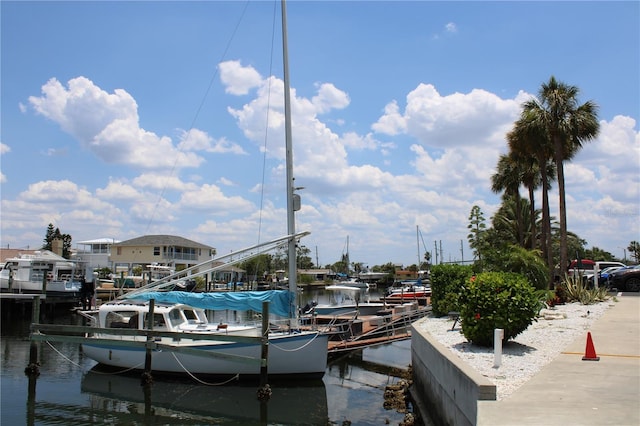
(184, 402)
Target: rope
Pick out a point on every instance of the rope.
(236, 377)
(296, 349)
(63, 356)
(94, 372)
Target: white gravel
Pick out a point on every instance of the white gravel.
(528, 352)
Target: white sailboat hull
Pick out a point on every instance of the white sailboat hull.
(303, 354)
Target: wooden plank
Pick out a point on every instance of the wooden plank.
(57, 329)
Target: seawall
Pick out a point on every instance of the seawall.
(443, 385)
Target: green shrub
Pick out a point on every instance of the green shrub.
(446, 283)
(493, 300)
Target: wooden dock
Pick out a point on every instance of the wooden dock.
(21, 304)
(352, 345)
(350, 332)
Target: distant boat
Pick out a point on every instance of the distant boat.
(42, 270)
(372, 276)
(345, 299)
(408, 290)
(353, 282)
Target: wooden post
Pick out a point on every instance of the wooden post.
(147, 378)
(33, 369)
(264, 367)
(31, 400)
(43, 291)
(121, 282)
(10, 279)
(264, 393)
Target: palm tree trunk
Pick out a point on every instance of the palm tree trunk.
(532, 212)
(519, 219)
(564, 261)
(545, 235)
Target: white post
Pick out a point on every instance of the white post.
(498, 335)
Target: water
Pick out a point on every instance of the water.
(70, 390)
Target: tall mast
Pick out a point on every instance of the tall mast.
(291, 220)
(418, 245)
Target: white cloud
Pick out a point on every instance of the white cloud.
(197, 140)
(108, 125)
(238, 80)
(119, 190)
(3, 150)
(329, 97)
(211, 199)
(457, 119)
(392, 122)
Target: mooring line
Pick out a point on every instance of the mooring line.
(236, 377)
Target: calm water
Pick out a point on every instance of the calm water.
(70, 390)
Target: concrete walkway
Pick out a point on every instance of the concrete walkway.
(570, 391)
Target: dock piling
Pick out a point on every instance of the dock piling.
(147, 377)
(33, 369)
(264, 392)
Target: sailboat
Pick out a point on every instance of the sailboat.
(174, 331)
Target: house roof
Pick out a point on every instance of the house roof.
(100, 241)
(315, 271)
(9, 253)
(161, 240)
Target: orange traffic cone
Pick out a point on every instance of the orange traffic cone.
(590, 351)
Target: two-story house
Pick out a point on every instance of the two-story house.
(164, 250)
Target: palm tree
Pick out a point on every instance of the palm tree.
(507, 178)
(529, 140)
(505, 222)
(567, 125)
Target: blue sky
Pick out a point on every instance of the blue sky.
(121, 119)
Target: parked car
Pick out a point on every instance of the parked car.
(604, 275)
(580, 267)
(586, 268)
(601, 267)
(626, 279)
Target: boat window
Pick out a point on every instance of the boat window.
(119, 319)
(158, 321)
(175, 318)
(192, 317)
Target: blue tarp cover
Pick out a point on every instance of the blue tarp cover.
(279, 300)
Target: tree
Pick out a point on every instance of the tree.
(596, 253)
(427, 261)
(357, 267)
(477, 228)
(567, 126)
(257, 266)
(510, 220)
(303, 260)
(634, 250)
(508, 177)
(55, 234)
(529, 138)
